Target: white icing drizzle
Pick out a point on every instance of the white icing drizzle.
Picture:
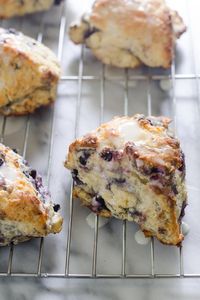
(131, 131)
(91, 221)
(185, 228)
(140, 238)
(10, 174)
(137, 5)
(165, 84)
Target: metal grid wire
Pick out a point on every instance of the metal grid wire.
(80, 78)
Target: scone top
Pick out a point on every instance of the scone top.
(18, 44)
(145, 140)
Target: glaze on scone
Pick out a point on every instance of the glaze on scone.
(129, 33)
(11, 8)
(26, 210)
(29, 74)
(132, 168)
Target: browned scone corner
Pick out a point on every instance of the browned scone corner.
(29, 74)
(132, 168)
(11, 8)
(127, 34)
(26, 210)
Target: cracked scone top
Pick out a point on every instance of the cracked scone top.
(29, 73)
(26, 210)
(132, 168)
(10, 8)
(127, 33)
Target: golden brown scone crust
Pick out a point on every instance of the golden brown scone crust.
(25, 207)
(127, 33)
(134, 168)
(10, 8)
(29, 74)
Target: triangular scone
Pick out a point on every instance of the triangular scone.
(132, 168)
(10, 8)
(129, 33)
(29, 73)
(25, 207)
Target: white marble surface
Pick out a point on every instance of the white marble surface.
(187, 117)
(62, 289)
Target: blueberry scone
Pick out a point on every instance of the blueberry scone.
(29, 73)
(10, 8)
(26, 210)
(132, 168)
(130, 33)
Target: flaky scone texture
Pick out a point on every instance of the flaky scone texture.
(29, 74)
(132, 168)
(26, 210)
(130, 33)
(11, 8)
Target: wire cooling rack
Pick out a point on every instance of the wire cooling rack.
(13, 257)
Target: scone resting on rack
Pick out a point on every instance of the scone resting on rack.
(26, 210)
(29, 73)
(130, 33)
(11, 8)
(132, 168)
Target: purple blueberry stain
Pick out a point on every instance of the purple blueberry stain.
(141, 217)
(154, 177)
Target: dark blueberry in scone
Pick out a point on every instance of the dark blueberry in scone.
(76, 178)
(119, 181)
(26, 209)
(1, 161)
(56, 207)
(33, 174)
(136, 168)
(84, 155)
(15, 150)
(57, 2)
(106, 154)
(89, 32)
